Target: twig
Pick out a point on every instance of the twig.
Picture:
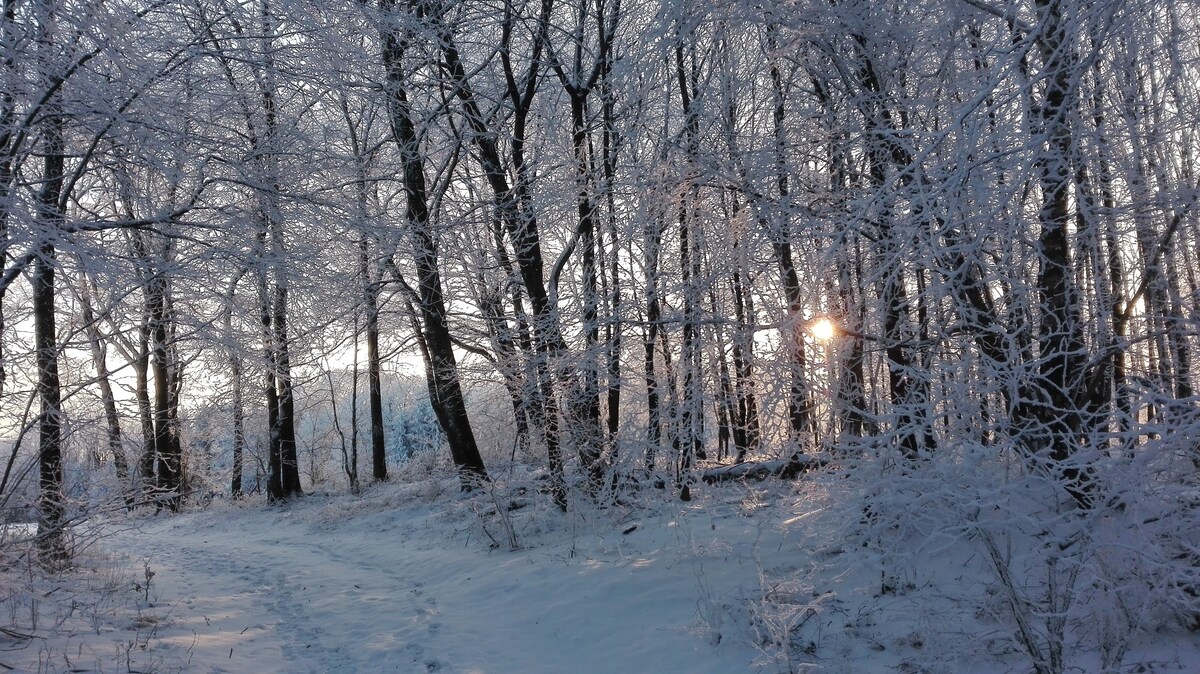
(17, 635)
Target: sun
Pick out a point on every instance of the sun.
(822, 329)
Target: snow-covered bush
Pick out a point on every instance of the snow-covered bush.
(1011, 564)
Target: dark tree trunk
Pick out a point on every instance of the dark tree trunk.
(374, 373)
(725, 406)
(689, 439)
(275, 490)
(851, 394)
(852, 391)
(7, 118)
(586, 406)
(746, 432)
(372, 287)
(168, 458)
(512, 202)
(236, 394)
(503, 338)
(445, 393)
(609, 139)
(283, 474)
(800, 412)
(141, 369)
(284, 463)
(579, 82)
(52, 550)
(1163, 293)
(152, 412)
(288, 460)
(518, 375)
(351, 461)
(654, 430)
(1060, 378)
(239, 428)
(51, 543)
(910, 411)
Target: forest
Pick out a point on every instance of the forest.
(937, 259)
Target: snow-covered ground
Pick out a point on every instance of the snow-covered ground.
(413, 577)
(406, 579)
(395, 582)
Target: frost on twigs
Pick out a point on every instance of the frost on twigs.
(969, 560)
(100, 615)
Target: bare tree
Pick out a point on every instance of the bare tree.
(445, 391)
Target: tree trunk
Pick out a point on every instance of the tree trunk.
(284, 463)
(8, 73)
(374, 371)
(586, 405)
(371, 290)
(99, 359)
(689, 439)
(910, 411)
(239, 427)
(52, 549)
(288, 460)
(275, 490)
(614, 326)
(168, 457)
(352, 460)
(519, 373)
(515, 210)
(800, 409)
(235, 383)
(746, 430)
(141, 369)
(445, 393)
(51, 541)
(1060, 378)
(503, 339)
(654, 423)
(724, 403)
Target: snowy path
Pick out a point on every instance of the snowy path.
(253, 590)
(287, 604)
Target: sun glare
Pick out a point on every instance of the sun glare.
(822, 329)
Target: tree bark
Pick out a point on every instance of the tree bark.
(52, 550)
(141, 369)
(652, 245)
(284, 463)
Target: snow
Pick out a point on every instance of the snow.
(299, 591)
(414, 577)
(401, 580)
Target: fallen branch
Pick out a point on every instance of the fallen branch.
(785, 469)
